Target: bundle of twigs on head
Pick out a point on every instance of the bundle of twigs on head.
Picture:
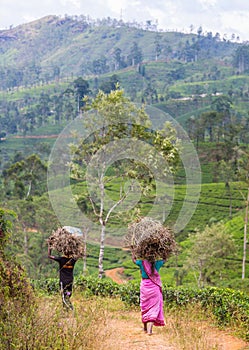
(66, 243)
(149, 239)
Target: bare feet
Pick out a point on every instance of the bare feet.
(149, 328)
(145, 327)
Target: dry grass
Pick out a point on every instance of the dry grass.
(189, 329)
(51, 327)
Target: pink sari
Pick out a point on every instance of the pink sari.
(151, 298)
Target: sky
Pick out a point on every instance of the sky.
(226, 17)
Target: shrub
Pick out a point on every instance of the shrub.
(96, 286)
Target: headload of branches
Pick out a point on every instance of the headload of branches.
(66, 243)
(149, 239)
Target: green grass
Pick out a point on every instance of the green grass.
(26, 146)
(213, 206)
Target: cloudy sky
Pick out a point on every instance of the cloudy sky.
(224, 16)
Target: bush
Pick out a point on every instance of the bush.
(50, 285)
(229, 307)
(130, 292)
(96, 286)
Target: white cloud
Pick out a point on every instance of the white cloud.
(221, 16)
(233, 20)
(207, 4)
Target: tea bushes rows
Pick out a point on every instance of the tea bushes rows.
(96, 286)
(229, 307)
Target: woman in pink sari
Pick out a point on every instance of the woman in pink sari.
(151, 298)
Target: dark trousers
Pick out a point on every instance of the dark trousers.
(66, 288)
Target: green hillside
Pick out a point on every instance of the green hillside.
(71, 44)
(48, 66)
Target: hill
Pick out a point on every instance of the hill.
(54, 47)
(182, 74)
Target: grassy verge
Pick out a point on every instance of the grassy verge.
(48, 326)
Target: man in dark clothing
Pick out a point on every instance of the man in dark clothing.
(66, 266)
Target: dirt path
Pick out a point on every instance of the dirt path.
(127, 334)
(126, 331)
(116, 275)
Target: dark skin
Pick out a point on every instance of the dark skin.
(49, 253)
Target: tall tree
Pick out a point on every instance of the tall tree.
(208, 253)
(243, 175)
(241, 58)
(227, 174)
(158, 45)
(81, 87)
(26, 177)
(5, 228)
(119, 61)
(121, 119)
(135, 55)
(100, 65)
(223, 105)
(110, 84)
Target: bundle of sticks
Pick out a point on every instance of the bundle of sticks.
(149, 239)
(66, 243)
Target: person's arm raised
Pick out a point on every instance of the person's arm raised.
(49, 253)
(133, 257)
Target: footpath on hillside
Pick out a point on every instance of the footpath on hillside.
(126, 331)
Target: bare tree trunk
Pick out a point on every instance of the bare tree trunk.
(201, 275)
(230, 204)
(245, 237)
(29, 189)
(200, 279)
(26, 248)
(85, 232)
(102, 249)
(227, 185)
(103, 223)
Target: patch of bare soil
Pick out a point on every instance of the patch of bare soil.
(126, 331)
(116, 275)
(127, 334)
(226, 341)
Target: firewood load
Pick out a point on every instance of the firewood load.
(149, 239)
(66, 243)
